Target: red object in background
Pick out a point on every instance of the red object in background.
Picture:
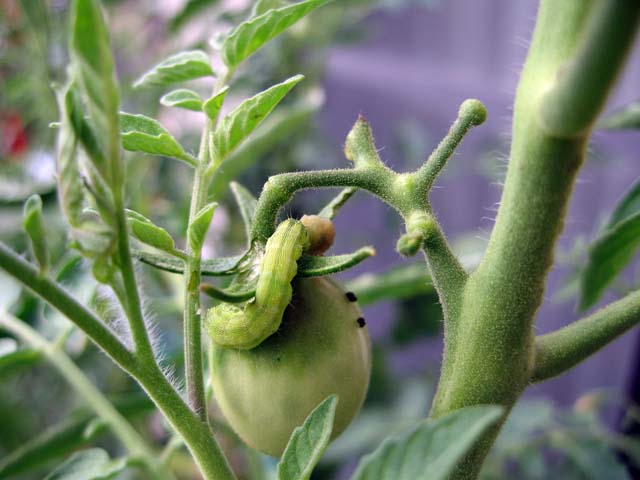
(13, 137)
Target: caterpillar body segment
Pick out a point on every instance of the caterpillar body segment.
(246, 327)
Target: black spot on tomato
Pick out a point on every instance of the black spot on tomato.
(351, 296)
(361, 322)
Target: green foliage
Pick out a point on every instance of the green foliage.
(33, 224)
(628, 117)
(91, 464)
(213, 105)
(432, 450)
(199, 227)
(613, 249)
(246, 204)
(308, 442)
(177, 68)
(147, 232)
(255, 32)
(144, 134)
(94, 69)
(240, 122)
(182, 98)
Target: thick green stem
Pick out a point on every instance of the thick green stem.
(122, 429)
(559, 351)
(56, 296)
(491, 359)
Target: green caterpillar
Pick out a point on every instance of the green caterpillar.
(246, 327)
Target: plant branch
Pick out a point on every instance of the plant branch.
(580, 88)
(131, 440)
(59, 298)
(194, 370)
(563, 349)
(132, 305)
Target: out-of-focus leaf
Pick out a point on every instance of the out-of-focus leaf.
(52, 443)
(627, 117)
(608, 256)
(277, 128)
(91, 464)
(198, 228)
(246, 203)
(239, 123)
(331, 209)
(94, 69)
(189, 11)
(182, 98)
(628, 205)
(262, 6)
(212, 106)
(11, 362)
(177, 68)
(255, 32)
(144, 134)
(308, 442)
(592, 456)
(396, 283)
(432, 450)
(33, 224)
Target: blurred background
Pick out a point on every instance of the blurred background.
(406, 65)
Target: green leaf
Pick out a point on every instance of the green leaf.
(93, 67)
(608, 256)
(91, 464)
(278, 128)
(239, 123)
(69, 182)
(13, 361)
(215, 267)
(432, 450)
(397, 283)
(315, 266)
(199, 226)
(144, 134)
(52, 443)
(628, 205)
(263, 6)
(33, 224)
(182, 98)
(627, 117)
(308, 442)
(591, 455)
(213, 105)
(331, 209)
(255, 32)
(246, 203)
(190, 10)
(177, 68)
(147, 232)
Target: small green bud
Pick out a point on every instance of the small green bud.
(409, 244)
(473, 110)
(360, 146)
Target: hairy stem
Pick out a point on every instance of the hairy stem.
(561, 350)
(60, 299)
(492, 357)
(122, 429)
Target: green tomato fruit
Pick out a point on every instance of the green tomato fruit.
(321, 348)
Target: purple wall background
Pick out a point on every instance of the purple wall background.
(421, 64)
